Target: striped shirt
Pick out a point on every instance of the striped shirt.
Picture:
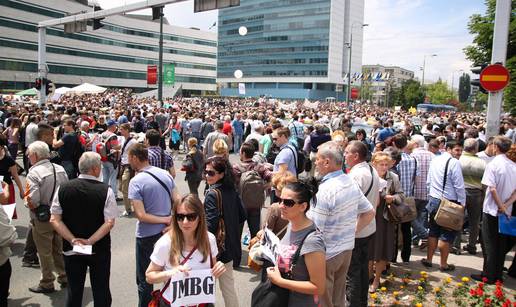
(406, 170)
(423, 158)
(156, 160)
(338, 203)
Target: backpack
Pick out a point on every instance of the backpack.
(103, 148)
(273, 152)
(138, 126)
(252, 190)
(302, 162)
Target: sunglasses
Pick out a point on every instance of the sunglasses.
(287, 202)
(190, 217)
(210, 173)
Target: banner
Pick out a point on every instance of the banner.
(169, 74)
(196, 288)
(241, 88)
(310, 105)
(152, 74)
(287, 107)
(270, 243)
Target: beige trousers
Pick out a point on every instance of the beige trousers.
(50, 251)
(227, 286)
(336, 273)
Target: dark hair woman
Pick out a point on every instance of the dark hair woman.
(224, 209)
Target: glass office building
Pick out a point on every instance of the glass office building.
(292, 48)
(117, 55)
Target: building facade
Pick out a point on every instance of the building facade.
(378, 79)
(116, 55)
(292, 48)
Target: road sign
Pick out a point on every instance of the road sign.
(152, 74)
(354, 93)
(169, 74)
(494, 77)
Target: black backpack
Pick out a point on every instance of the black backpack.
(273, 152)
(303, 163)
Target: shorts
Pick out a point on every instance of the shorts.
(434, 230)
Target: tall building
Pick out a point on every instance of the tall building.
(292, 48)
(378, 79)
(116, 55)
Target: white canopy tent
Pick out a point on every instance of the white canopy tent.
(86, 88)
(62, 90)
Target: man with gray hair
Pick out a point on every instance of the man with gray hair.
(212, 137)
(83, 213)
(472, 170)
(340, 211)
(423, 158)
(42, 181)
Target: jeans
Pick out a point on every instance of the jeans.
(70, 169)
(144, 248)
(237, 142)
(109, 175)
(99, 266)
(420, 224)
(5, 277)
(358, 274)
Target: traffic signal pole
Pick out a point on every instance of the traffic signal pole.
(499, 54)
(42, 63)
(160, 59)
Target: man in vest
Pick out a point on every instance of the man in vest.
(109, 171)
(126, 173)
(83, 213)
(43, 179)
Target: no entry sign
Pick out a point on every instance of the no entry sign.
(494, 77)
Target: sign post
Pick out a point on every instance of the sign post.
(494, 78)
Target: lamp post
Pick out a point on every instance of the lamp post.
(424, 63)
(350, 46)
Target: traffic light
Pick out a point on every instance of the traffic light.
(38, 83)
(49, 87)
(476, 82)
(97, 21)
(156, 12)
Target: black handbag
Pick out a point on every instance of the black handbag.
(42, 211)
(267, 294)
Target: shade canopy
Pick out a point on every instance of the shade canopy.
(87, 88)
(28, 92)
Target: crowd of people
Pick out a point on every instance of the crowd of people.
(332, 173)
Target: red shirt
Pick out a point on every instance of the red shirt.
(227, 128)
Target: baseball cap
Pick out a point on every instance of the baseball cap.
(384, 134)
(111, 123)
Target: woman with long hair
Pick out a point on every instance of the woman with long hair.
(382, 247)
(308, 276)
(13, 137)
(224, 214)
(9, 171)
(187, 236)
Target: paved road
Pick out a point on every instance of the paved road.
(123, 284)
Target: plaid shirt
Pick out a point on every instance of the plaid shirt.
(406, 170)
(155, 158)
(423, 158)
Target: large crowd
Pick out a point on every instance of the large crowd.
(352, 189)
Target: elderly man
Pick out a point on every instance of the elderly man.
(368, 181)
(341, 211)
(500, 196)
(472, 169)
(42, 181)
(83, 213)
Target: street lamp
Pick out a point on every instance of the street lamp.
(350, 46)
(424, 63)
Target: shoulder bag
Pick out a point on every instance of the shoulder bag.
(42, 211)
(449, 215)
(267, 294)
(221, 229)
(157, 295)
(405, 211)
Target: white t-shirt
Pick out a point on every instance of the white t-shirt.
(161, 254)
(501, 174)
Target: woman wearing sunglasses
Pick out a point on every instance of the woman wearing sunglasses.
(308, 275)
(188, 233)
(222, 192)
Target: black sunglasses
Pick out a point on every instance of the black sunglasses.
(210, 173)
(190, 217)
(287, 202)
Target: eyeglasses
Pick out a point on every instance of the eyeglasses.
(287, 202)
(190, 217)
(210, 173)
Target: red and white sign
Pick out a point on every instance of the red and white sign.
(152, 74)
(494, 77)
(355, 93)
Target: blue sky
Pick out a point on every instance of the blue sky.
(400, 32)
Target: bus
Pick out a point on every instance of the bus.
(428, 107)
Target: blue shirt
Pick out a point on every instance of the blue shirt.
(339, 201)
(454, 189)
(407, 171)
(238, 127)
(286, 156)
(155, 198)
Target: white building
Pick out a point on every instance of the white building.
(379, 79)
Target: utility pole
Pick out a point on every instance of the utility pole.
(350, 46)
(42, 63)
(423, 69)
(498, 54)
(160, 58)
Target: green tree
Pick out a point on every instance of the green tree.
(464, 87)
(366, 91)
(481, 26)
(439, 92)
(412, 93)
